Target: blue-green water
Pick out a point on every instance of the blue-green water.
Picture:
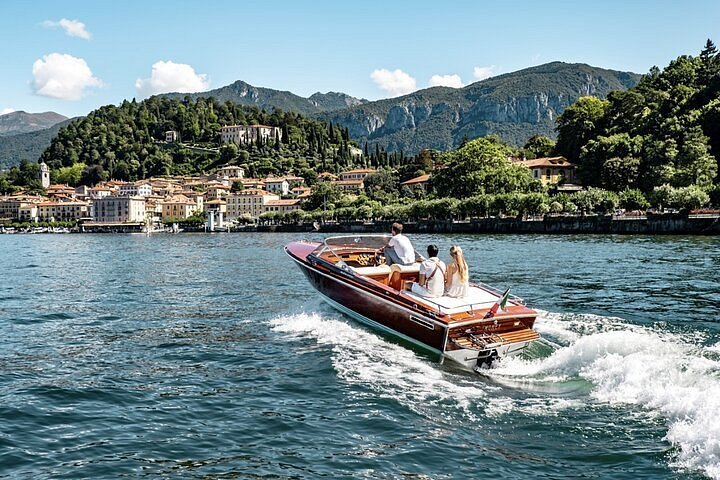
(207, 356)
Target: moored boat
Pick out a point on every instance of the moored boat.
(352, 277)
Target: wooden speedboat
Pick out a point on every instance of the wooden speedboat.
(352, 277)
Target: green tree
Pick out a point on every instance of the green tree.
(539, 146)
(577, 124)
(481, 166)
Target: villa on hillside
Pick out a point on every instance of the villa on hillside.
(550, 170)
(417, 183)
(356, 174)
(244, 134)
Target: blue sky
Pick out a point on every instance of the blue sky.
(74, 56)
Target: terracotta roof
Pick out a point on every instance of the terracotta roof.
(216, 202)
(360, 170)
(416, 180)
(251, 191)
(284, 202)
(179, 199)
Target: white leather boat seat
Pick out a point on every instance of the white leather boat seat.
(402, 274)
(381, 273)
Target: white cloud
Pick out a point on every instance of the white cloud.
(172, 77)
(74, 28)
(394, 82)
(481, 73)
(453, 81)
(5, 111)
(62, 76)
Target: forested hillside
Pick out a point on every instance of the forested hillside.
(126, 142)
(665, 130)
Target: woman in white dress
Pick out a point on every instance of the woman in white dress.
(456, 275)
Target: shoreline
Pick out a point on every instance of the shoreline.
(654, 224)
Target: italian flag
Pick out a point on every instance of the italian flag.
(499, 305)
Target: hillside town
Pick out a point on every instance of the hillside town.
(222, 198)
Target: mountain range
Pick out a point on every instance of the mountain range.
(17, 122)
(514, 106)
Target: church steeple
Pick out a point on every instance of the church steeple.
(44, 175)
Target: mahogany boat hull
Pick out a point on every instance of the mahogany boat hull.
(382, 307)
(349, 296)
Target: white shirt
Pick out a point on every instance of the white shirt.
(435, 285)
(404, 249)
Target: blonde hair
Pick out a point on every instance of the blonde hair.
(457, 253)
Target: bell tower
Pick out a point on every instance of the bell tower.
(44, 175)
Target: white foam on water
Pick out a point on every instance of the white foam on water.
(668, 374)
(389, 370)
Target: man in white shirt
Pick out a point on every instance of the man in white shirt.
(399, 249)
(431, 282)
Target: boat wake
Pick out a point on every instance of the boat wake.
(386, 369)
(673, 376)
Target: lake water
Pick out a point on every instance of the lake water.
(208, 356)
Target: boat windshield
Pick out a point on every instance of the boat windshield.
(335, 249)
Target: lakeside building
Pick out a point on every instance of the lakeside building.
(249, 202)
(119, 210)
(550, 170)
(216, 211)
(61, 211)
(283, 205)
(356, 174)
(245, 134)
(28, 213)
(417, 183)
(10, 206)
(178, 206)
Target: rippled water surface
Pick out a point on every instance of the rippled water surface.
(208, 356)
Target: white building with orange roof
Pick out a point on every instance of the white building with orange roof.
(356, 174)
(232, 172)
(351, 186)
(100, 192)
(250, 202)
(135, 189)
(278, 185)
(283, 205)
